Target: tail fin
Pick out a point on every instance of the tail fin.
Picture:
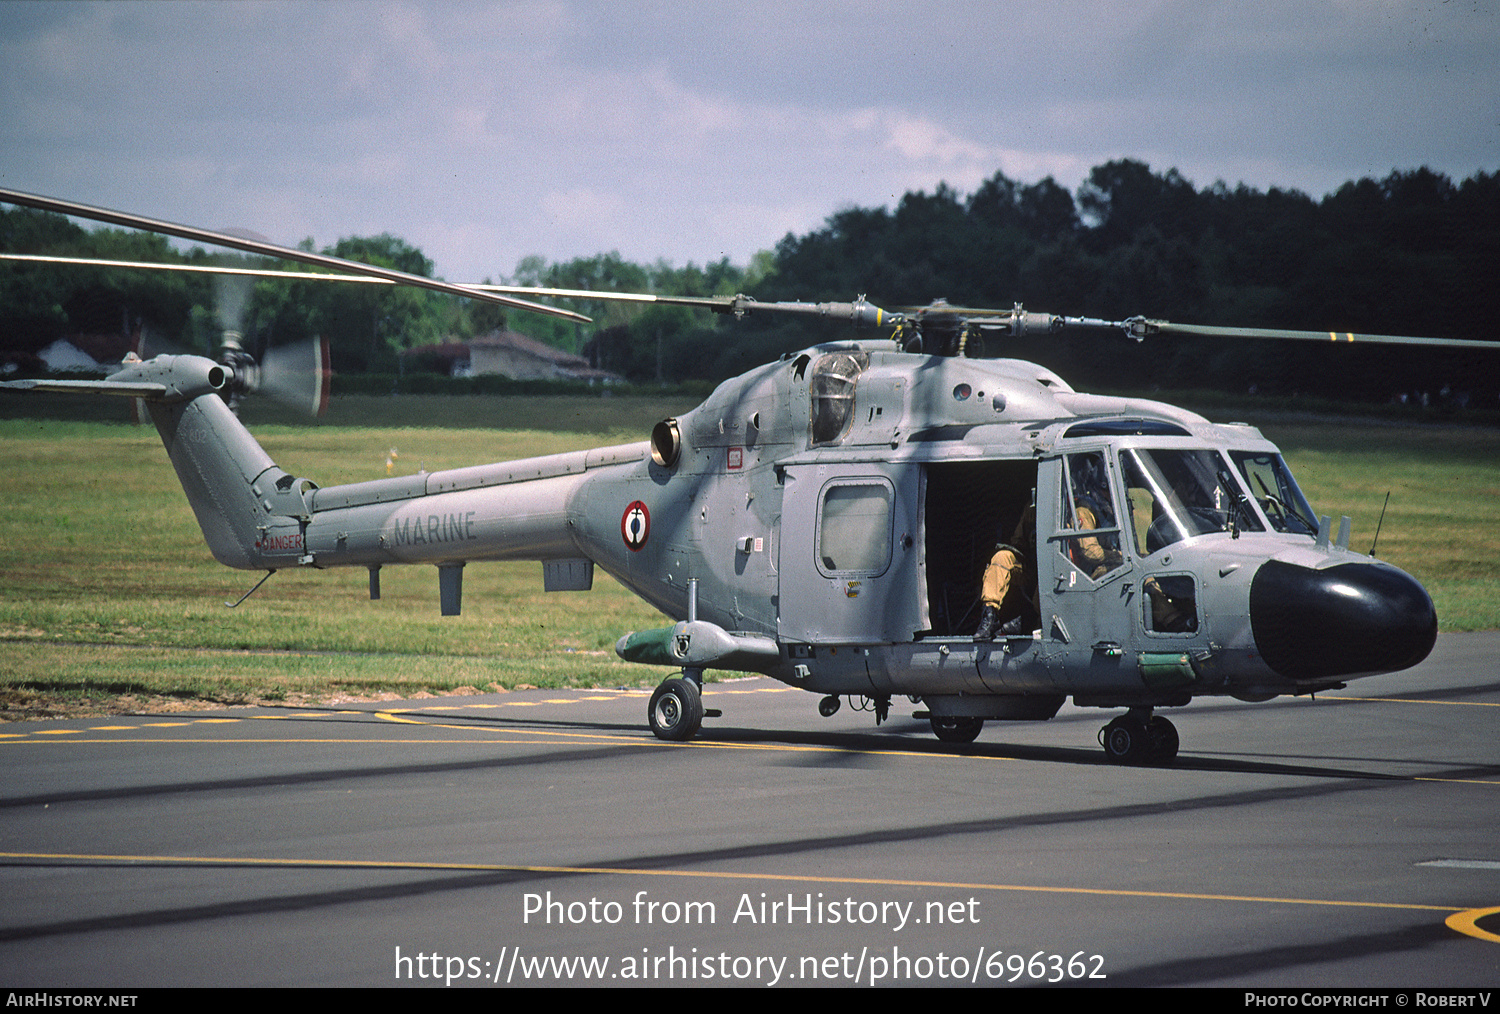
(252, 513)
(218, 463)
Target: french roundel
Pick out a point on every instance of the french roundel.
(635, 526)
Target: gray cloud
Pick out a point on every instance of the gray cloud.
(485, 132)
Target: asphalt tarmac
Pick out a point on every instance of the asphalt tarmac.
(547, 837)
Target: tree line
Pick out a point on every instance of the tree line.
(1413, 253)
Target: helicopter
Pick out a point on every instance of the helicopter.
(836, 520)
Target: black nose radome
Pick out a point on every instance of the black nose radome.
(1341, 621)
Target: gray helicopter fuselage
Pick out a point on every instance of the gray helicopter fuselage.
(855, 519)
(932, 464)
(826, 519)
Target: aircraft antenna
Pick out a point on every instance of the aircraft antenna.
(1380, 522)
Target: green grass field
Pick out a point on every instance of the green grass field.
(109, 599)
(1443, 522)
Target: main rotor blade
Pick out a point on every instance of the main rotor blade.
(860, 312)
(720, 304)
(197, 235)
(201, 269)
(1141, 328)
(708, 302)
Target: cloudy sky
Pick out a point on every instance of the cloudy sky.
(484, 132)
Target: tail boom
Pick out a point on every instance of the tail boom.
(254, 515)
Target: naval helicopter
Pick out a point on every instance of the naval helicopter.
(834, 520)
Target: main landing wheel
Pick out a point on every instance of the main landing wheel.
(1132, 739)
(676, 709)
(956, 730)
(1164, 740)
(1124, 740)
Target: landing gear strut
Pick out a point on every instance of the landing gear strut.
(1137, 737)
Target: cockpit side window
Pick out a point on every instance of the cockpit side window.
(1088, 507)
(834, 378)
(1272, 485)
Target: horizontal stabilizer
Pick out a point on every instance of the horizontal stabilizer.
(149, 391)
(165, 378)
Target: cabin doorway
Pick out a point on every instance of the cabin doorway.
(969, 510)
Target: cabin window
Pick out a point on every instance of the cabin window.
(834, 377)
(854, 528)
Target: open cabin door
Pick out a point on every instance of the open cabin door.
(848, 555)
